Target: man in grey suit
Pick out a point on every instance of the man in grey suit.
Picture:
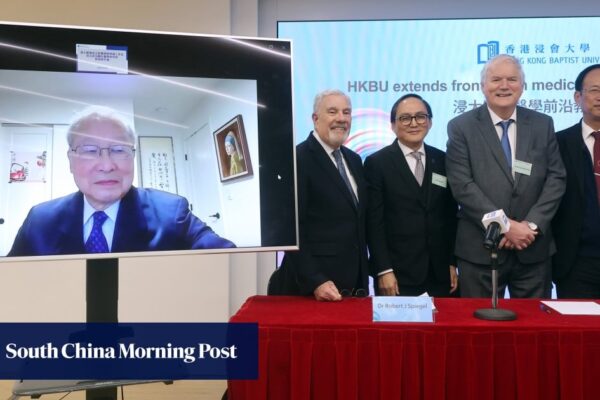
(500, 156)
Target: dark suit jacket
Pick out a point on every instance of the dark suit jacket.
(567, 223)
(147, 220)
(332, 230)
(409, 227)
(482, 182)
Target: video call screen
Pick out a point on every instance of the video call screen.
(214, 142)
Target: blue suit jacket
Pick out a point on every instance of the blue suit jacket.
(147, 220)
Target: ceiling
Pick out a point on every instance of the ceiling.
(167, 99)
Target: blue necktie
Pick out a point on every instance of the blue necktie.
(505, 143)
(337, 154)
(96, 243)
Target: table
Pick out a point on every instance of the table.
(318, 350)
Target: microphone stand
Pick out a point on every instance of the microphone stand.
(494, 313)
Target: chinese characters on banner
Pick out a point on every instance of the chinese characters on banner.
(159, 172)
(157, 164)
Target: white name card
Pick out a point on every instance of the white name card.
(100, 58)
(439, 180)
(402, 309)
(522, 167)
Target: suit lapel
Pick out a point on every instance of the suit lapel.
(70, 232)
(488, 131)
(356, 174)
(432, 164)
(131, 228)
(575, 148)
(328, 168)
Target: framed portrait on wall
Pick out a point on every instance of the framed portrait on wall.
(157, 163)
(232, 150)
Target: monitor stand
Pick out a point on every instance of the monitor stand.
(102, 305)
(102, 299)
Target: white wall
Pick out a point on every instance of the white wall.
(202, 16)
(270, 11)
(240, 199)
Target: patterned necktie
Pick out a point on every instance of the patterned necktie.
(337, 154)
(505, 142)
(597, 162)
(96, 243)
(419, 168)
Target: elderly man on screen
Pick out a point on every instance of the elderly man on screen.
(108, 214)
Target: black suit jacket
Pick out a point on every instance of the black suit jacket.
(409, 227)
(331, 228)
(567, 222)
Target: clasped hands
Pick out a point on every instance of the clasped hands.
(519, 237)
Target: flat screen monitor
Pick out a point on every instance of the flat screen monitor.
(185, 141)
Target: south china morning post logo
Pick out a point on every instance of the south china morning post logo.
(68, 351)
(148, 351)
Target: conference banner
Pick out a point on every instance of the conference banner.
(376, 62)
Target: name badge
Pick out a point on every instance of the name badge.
(402, 309)
(439, 180)
(522, 167)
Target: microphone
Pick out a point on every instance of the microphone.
(495, 223)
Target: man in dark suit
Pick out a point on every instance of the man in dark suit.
(108, 214)
(332, 259)
(411, 220)
(576, 264)
(501, 156)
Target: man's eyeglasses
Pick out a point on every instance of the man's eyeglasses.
(406, 120)
(354, 292)
(93, 152)
(593, 91)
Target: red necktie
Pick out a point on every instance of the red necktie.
(597, 162)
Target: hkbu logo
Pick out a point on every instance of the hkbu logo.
(486, 51)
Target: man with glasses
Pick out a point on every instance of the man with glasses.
(576, 264)
(503, 157)
(411, 219)
(108, 214)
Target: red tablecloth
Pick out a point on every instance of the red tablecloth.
(315, 350)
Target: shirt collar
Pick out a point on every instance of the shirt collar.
(586, 130)
(328, 148)
(496, 119)
(407, 150)
(88, 210)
